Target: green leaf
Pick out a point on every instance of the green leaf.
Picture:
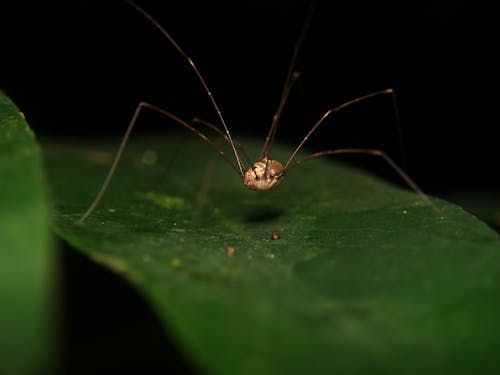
(26, 256)
(365, 278)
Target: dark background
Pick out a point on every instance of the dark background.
(82, 66)
(79, 67)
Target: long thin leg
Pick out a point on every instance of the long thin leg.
(291, 77)
(124, 141)
(331, 111)
(238, 146)
(268, 144)
(197, 72)
(388, 160)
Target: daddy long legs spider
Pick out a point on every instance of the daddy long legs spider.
(265, 173)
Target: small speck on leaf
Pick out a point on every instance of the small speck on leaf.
(99, 157)
(149, 157)
(175, 263)
(166, 201)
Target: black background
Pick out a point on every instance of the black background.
(82, 66)
(78, 67)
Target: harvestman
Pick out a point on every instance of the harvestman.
(265, 173)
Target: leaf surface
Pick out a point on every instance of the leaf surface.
(364, 279)
(26, 256)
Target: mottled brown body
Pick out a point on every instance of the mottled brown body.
(264, 174)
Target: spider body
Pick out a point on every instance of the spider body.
(264, 174)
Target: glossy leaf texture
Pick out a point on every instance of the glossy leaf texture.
(365, 278)
(26, 254)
